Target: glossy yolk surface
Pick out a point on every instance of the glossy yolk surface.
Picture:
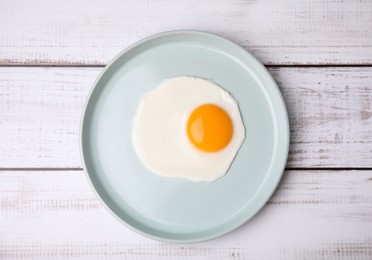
(209, 128)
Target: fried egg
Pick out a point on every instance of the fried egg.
(187, 128)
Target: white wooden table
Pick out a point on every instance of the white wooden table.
(320, 54)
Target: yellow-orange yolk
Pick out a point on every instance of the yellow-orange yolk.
(209, 128)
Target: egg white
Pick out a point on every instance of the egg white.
(159, 131)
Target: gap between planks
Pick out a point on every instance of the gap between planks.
(286, 169)
(330, 65)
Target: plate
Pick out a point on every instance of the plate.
(177, 210)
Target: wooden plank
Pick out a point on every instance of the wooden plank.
(313, 215)
(330, 111)
(277, 32)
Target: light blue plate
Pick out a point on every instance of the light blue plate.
(171, 209)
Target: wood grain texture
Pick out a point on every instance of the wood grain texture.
(313, 215)
(277, 32)
(330, 111)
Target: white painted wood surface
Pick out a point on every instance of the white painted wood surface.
(277, 32)
(313, 215)
(47, 212)
(330, 111)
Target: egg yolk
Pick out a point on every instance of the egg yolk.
(209, 128)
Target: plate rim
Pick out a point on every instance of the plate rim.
(286, 142)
